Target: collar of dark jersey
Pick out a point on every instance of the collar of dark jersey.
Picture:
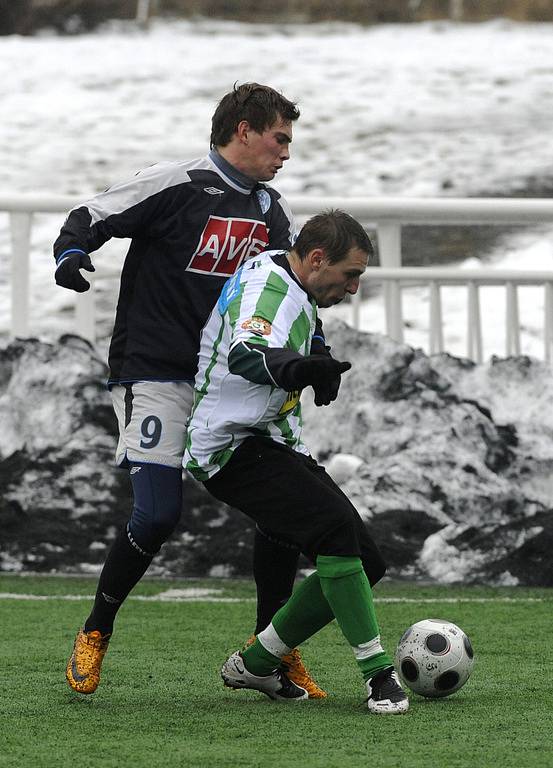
(236, 176)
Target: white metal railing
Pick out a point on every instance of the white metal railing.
(435, 278)
(387, 216)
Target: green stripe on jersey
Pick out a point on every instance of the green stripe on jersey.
(300, 332)
(288, 435)
(220, 458)
(272, 296)
(199, 393)
(192, 465)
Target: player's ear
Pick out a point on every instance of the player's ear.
(242, 130)
(316, 257)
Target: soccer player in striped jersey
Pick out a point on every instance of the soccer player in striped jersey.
(244, 443)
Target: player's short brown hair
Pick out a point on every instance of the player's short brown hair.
(336, 232)
(260, 105)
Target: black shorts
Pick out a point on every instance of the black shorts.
(292, 498)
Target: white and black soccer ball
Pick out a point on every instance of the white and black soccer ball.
(434, 658)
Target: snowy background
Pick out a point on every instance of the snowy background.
(451, 462)
(418, 110)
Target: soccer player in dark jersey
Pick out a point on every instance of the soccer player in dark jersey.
(191, 224)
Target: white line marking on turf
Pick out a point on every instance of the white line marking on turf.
(190, 592)
(160, 598)
(189, 596)
(461, 599)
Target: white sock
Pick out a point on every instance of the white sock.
(272, 642)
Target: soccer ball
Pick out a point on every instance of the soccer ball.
(434, 658)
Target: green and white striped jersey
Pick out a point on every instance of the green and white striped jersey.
(262, 304)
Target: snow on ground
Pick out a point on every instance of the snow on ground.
(428, 109)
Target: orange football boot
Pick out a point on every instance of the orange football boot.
(83, 667)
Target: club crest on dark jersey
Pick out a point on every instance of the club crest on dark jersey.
(225, 243)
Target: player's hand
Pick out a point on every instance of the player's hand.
(323, 373)
(326, 390)
(68, 275)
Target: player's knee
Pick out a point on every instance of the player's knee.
(152, 527)
(157, 505)
(166, 519)
(375, 568)
(374, 564)
(339, 536)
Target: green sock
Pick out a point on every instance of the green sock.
(348, 592)
(306, 612)
(302, 616)
(258, 660)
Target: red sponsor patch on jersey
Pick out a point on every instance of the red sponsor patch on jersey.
(257, 325)
(226, 243)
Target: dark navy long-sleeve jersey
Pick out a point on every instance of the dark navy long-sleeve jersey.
(192, 224)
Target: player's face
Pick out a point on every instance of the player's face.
(268, 151)
(331, 282)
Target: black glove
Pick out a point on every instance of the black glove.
(323, 373)
(68, 275)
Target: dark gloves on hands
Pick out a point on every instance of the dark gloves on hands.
(68, 275)
(323, 373)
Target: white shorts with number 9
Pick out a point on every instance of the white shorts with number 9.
(152, 418)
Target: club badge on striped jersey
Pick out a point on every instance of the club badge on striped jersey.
(258, 326)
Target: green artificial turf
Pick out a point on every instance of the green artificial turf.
(161, 701)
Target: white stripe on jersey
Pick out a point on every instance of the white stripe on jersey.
(146, 183)
(228, 408)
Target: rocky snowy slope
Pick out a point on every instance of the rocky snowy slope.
(448, 462)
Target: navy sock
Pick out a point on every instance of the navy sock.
(124, 567)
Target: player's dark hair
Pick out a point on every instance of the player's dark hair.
(335, 231)
(260, 105)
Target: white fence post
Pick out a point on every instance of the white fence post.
(389, 249)
(436, 322)
(512, 321)
(474, 329)
(20, 225)
(548, 323)
(393, 297)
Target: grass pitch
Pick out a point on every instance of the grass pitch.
(161, 701)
